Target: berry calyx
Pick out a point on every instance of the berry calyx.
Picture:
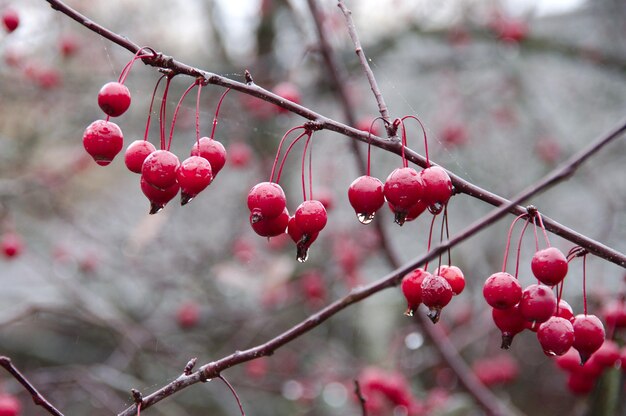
(538, 303)
(311, 216)
(10, 20)
(103, 140)
(266, 200)
(136, 153)
(437, 188)
(211, 150)
(160, 169)
(366, 197)
(194, 175)
(303, 240)
(411, 287)
(549, 266)
(588, 335)
(510, 322)
(454, 276)
(556, 336)
(403, 189)
(271, 227)
(158, 197)
(436, 293)
(502, 290)
(114, 98)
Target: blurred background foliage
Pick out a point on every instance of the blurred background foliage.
(104, 298)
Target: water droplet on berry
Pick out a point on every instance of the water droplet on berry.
(434, 314)
(400, 217)
(185, 198)
(365, 218)
(302, 255)
(436, 208)
(156, 208)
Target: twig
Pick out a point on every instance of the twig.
(460, 185)
(359, 395)
(232, 389)
(38, 399)
(382, 106)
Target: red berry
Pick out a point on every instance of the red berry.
(270, 227)
(136, 153)
(311, 216)
(564, 310)
(556, 336)
(160, 169)
(437, 188)
(188, 315)
(303, 240)
(412, 289)
(103, 140)
(570, 361)
(511, 30)
(10, 20)
(289, 92)
(580, 384)
(615, 314)
(414, 212)
(549, 266)
(502, 291)
(366, 197)
(211, 150)
(313, 287)
(588, 335)
(454, 135)
(240, 154)
(266, 200)
(11, 245)
(68, 44)
(365, 124)
(499, 369)
(454, 276)
(9, 405)
(158, 197)
(403, 189)
(510, 322)
(114, 99)
(607, 355)
(193, 176)
(436, 293)
(326, 197)
(538, 303)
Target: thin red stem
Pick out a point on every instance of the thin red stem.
(405, 163)
(282, 163)
(163, 112)
(519, 247)
(430, 238)
(280, 145)
(306, 146)
(543, 228)
(175, 116)
(310, 167)
(129, 66)
(369, 143)
(585, 284)
(145, 136)
(232, 390)
(508, 241)
(217, 112)
(425, 138)
(442, 230)
(198, 114)
(445, 218)
(535, 232)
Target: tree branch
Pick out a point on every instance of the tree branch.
(38, 399)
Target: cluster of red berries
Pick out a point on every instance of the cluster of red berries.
(538, 309)
(434, 290)
(162, 174)
(496, 370)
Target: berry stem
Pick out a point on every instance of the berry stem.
(280, 145)
(519, 246)
(175, 116)
(430, 238)
(445, 218)
(585, 284)
(508, 241)
(282, 163)
(163, 112)
(405, 163)
(543, 228)
(129, 65)
(535, 233)
(425, 138)
(145, 136)
(217, 112)
(232, 390)
(442, 230)
(198, 114)
(306, 145)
